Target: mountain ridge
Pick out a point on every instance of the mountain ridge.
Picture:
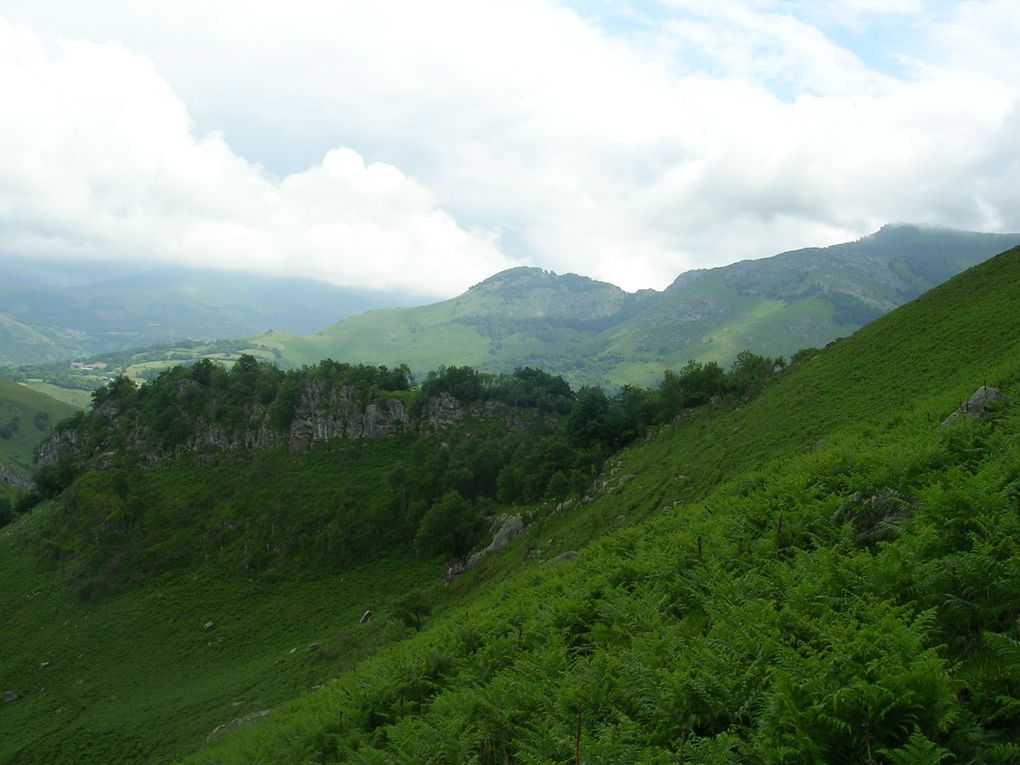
(594, 332)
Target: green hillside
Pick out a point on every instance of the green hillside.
(26, 417)
(835, 579)
(592, 332)
(815, 573)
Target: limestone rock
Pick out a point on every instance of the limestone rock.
(508, 528)
(443, 410)
(240, 722)
(12, 477)
(977, 406)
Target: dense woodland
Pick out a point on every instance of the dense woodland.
(539, 442)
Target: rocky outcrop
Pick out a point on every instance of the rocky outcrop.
(327, 413)
(12, 477)
(322, 412)
(443, 410)
(63, 443)
(978, 406)
(508, 528)
(240, 722)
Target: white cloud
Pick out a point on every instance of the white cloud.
(708, 132)
(103, 162)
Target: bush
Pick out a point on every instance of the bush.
(447, 528)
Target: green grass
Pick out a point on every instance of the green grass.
(28, 416)
(135, 677)
(79, 399)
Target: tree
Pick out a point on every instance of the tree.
(558, 487)
(50, 480)
(586, 423)
(701, 382)
(412, 609)
(447, 528)
(750, 372)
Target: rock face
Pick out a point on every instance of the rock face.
(11, 477)
(508, 528)
(327, 413)
(322, 413)
(977, 406)
(240, 722)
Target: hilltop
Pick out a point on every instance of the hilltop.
(587, 331)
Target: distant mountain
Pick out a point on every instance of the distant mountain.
(51, 313)
(594, 332)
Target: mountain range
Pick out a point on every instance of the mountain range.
(589, 332)
(594, 332)
(56, 311)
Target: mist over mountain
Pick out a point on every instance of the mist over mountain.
(50, 312)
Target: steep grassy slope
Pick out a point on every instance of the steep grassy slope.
(137, 677)
(25, 419)
(845, 600)
(594, 333)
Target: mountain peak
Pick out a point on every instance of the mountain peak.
(532, 277)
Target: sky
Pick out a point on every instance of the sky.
(423, 147)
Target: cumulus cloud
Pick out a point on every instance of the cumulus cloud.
(624, 142)
(103, 161)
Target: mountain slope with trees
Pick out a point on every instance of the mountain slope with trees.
(835, 579)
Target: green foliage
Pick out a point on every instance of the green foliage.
(50, 480)
(595, 334)
(748, 624)
(9, 428)
(448, 528)
(412, 609)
